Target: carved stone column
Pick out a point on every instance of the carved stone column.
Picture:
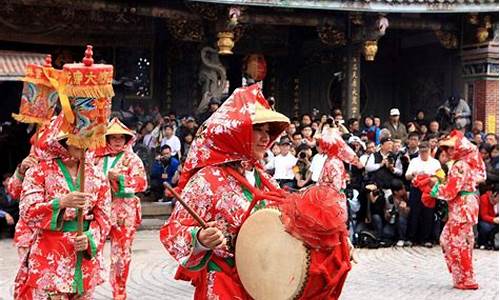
(351, 107)
(296, 97)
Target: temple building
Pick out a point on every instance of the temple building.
(360, 56)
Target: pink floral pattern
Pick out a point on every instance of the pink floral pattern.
(125, 214)
(52, 262)
(339, 152)
(214, 195)
(457, 239)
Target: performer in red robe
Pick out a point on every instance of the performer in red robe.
(457, 238)
(233, 139)
(60, 263)
(24, 234)
(126, 174)
(221, 180)
(338, 152)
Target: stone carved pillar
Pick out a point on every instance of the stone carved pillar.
(351, 107)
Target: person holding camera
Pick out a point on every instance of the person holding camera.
(421, 219)
(163, 171)
(373, 213)
(397, 212)
(383, 166)
(301, 169)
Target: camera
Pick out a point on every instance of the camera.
(374, 190)
(349, 193)
(377, 193)
(391, 159)
(302, 155)
(393, 215)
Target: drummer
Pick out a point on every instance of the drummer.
(233, 140)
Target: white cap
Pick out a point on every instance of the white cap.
(355, 139)
(394, 112)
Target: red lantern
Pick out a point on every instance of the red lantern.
(255, 66)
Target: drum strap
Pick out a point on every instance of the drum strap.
(273, 194)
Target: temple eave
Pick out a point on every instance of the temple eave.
(373, 6)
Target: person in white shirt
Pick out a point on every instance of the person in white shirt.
(150, 139)
(317, 163)
(370, 149)
(284, 163)
(382, 166)
(171, 140)
(421, 218)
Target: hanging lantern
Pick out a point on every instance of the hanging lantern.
(255, 66)
(225, 42)
(370, 50)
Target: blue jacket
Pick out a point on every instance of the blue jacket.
(159, 168)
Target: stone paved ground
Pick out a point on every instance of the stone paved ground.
(390, 273)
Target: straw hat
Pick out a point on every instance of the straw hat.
(117, 127)
(448, 142)
(277, 122)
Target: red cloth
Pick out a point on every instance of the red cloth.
(468, 152)
(422, 182)
(227, 135)
(486, 209)
(315, 217)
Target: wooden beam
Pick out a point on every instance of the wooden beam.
(75, 39)
(276, 18)
(420, 24)
(293, 19)
(117, 7)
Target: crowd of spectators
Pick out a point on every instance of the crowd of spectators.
(384, 207)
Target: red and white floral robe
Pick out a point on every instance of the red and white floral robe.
(125, 213)
(457, 238)
(339, 152)
(224, 138)
(53, 265)
(24, 234)
(215, 196)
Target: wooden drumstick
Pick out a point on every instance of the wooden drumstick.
(197, 217)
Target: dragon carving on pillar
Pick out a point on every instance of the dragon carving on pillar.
(212, 76)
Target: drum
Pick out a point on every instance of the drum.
(270, 262)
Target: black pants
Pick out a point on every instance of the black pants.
(420, 219)
(7, 230)
(486, 233)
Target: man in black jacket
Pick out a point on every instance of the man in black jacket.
(383, 166)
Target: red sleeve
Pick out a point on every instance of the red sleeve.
(134, 181)
(15, 185)
(484, 208)
(179, 233)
